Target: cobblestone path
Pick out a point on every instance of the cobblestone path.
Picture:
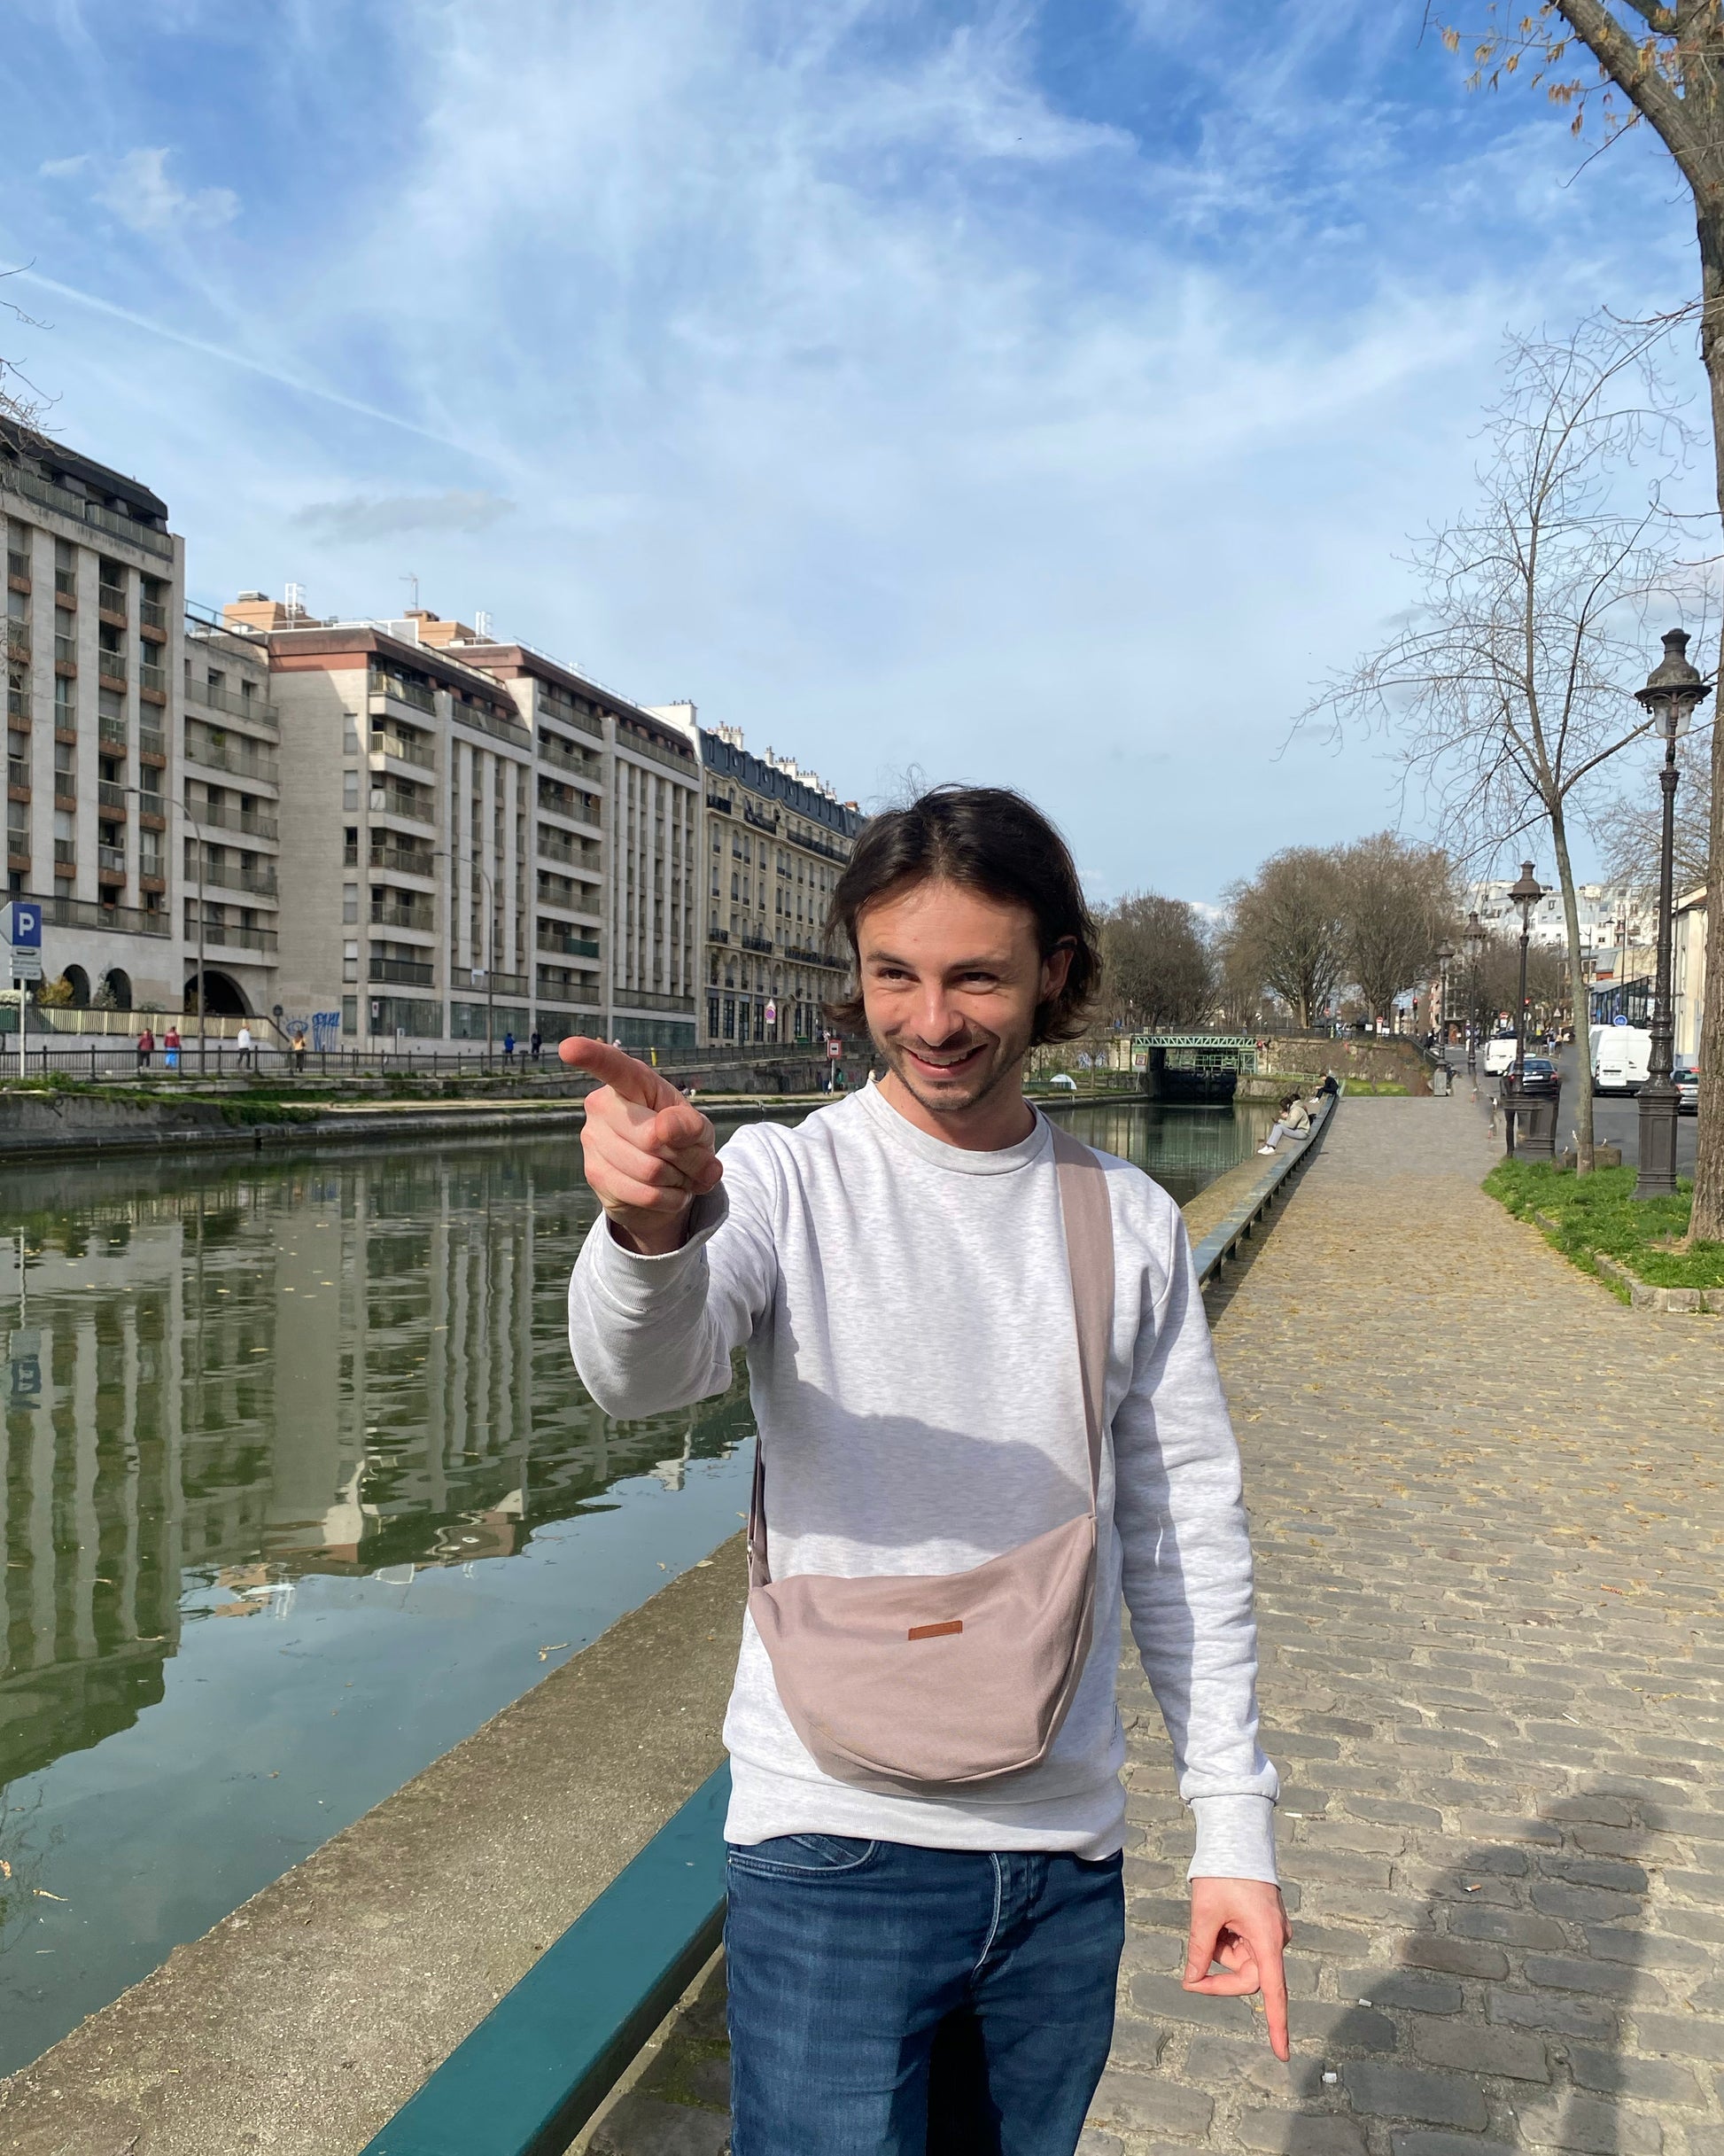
(1486, 1503)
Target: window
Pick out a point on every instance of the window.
(350, 953)
(350, 791)
(350, 905)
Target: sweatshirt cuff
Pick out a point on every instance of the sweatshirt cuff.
(632, 1281)
(1235, 1838)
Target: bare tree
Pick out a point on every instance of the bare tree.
(1288, 930)
(1400, 899)
(1487, 986)
(22, 404)
(1157, 967)
(1667, 62)
(1508, 689)
(1627, 826)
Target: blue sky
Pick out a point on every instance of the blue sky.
(1040, 394)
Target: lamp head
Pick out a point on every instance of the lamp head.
(1674, 688)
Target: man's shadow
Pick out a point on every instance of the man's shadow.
(1500, 2013)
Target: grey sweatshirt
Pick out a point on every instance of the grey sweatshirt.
(905, 1308)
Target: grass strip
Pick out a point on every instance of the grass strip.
(1599, 1212)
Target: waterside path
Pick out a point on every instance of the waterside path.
(1487, 1503)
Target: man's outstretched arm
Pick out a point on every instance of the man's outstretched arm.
(653, 1310)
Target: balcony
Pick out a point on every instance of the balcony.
(757, 943)
(63, 503)
(405, 973)
(684, 764)
(86, 913)
(557, 846)
(568, 946)
(66, 586)
(417, 694)
(112, 798)
(66, 651)
(718, 935)
(645, 998)
(17, 639)
(65, 857)
(563, 714)
(18, 565)
(110, 666)
(18, 703)
(242, 761)
(237, 938)
(111, 598)
(220, 817)
(113, 732)
(151, 679)
(231, 876)
(220, 698)
(110, 861)
(405, 747)
(151, 743)
(150, 615)
(420, 919)
(17, 772)
(412, 804)
(500, 984)
(589, 770)
(402, 860)
(509, 730)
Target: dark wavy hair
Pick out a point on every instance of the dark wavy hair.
(989, 839)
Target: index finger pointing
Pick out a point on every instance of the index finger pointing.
(624, 1074)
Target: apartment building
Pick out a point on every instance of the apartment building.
(617, 810)
(776, 841)
(1614, 916)
(231, 806)
(95, 586)
(478, 840)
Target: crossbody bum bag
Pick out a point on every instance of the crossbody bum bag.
(946, 1683)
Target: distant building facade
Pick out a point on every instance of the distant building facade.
(95, 586)
(777, 839)
(479, 842)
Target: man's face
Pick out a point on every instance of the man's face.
(950, 982)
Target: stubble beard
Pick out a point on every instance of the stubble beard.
(1004, 1067)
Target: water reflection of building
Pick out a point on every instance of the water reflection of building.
(278, 1369)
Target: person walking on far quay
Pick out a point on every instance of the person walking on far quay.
(988, 1409)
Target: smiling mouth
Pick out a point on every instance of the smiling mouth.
(949, 1066)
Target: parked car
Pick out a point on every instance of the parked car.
(1688, 1089)
(1539, 1080)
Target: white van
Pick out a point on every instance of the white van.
(1499, 1054)
(1621, 1057)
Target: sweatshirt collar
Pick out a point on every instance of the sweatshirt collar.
(957, 1160)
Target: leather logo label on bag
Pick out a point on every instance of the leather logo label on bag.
(935, 1631)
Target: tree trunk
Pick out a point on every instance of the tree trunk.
(1707, 1223)
(1578, 1002)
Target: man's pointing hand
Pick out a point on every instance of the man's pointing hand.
(649, 1153)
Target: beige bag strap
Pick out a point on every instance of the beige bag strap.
(1088, 1219)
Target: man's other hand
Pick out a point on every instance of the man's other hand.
(649, 1153)
(1241, 1924)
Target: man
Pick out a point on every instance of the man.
(934, 1970)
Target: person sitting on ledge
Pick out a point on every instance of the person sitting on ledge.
(1293, 1119)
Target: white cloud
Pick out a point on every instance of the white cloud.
(849, 376)
(62, 168)
(144, 197)
(363, 518)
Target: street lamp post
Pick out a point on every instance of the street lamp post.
(1526, 894)
(1474, 937)
(1445, 954)
(1674, 691)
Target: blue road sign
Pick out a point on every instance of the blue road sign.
(21, 920)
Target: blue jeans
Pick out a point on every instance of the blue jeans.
(893, 2001)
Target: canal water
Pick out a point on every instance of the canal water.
(297, 1487)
